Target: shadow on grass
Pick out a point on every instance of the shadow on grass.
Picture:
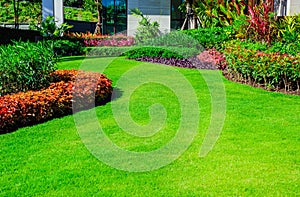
(74, 58)
(117, 93)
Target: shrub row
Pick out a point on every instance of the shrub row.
(66, 47)
(271, 70)
(140, 52)
(175, 39)
(212, 37)
(25, 66)
(31, 107)
(107, 51)
(90, 40)
(112, 42)
(282, 48)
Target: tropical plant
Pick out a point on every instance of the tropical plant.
(17, 11)
(176, 39)
(146, 29)
(98, 4)
(48, 27)
(261, 22)
(212, 37)
(25, 66)
(212, 13)
(272, 70)
(288, 28)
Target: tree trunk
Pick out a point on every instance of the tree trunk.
(191, 20)
(98, 29)
(16, 13)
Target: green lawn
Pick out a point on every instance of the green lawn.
(257, 153)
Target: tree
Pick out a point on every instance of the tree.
(98, 29)
(146, 29)
(191, 18)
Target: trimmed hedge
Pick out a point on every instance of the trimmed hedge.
(152, 52)
(28, 108)
(66, 47)
(181, 52)
(175, 39)
(107, 51)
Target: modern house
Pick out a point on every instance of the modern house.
(117, 18)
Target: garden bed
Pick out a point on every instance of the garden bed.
(32, 107)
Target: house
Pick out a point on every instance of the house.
(116, 16)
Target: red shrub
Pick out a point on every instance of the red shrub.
(27, 108)
(214, 57)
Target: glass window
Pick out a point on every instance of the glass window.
(114, 16)
(280, 7)
(177, 17)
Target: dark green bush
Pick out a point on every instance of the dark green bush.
(176, 39)
(66, 47)
(212, 37)
(107, 51)
(25, 66)
(152, 52)
(183, 51)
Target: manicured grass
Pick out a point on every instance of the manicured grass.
(257, 153)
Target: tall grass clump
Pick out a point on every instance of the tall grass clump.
(25, 66)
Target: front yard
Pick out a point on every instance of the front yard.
(257, 152)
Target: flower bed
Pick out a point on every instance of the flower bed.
(92, 40)
(273, 71)
(183, 63)
(31, 107)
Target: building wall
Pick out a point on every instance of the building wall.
(294, 7)
(53, 8)
(156, 10)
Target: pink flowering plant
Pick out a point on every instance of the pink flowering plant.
(92, 40)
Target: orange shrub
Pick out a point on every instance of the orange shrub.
(28, 108)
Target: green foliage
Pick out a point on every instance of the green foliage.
(80, 14)
(29, 11)
(261, 22)
(271, 70)
(288, 48)
(176, 39)
(288, 29)
(146, 29)
(185, 52)
(212, 13)
(66, 47)
(106, 51)
(48, 27)
(25, 66)
(212, 37)
(279, 47)
(152, 52)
